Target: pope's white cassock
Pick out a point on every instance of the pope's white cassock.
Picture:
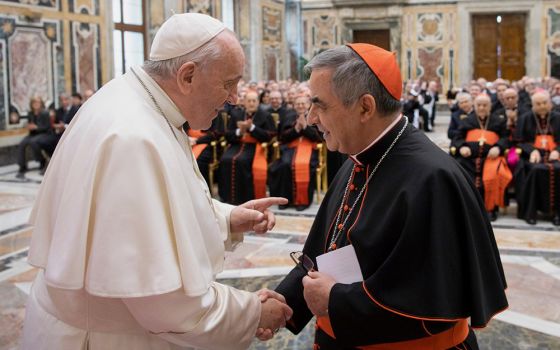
(127, 238)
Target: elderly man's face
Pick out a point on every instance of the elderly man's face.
(510, 98)
(275, 99)
(251, 102)
(301, 105)
(215, 85)
(474, 91)
(465, 104)
(541, 104)
(482, 106)
(333, 119)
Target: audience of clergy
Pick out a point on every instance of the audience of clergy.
(200, 142)
(292, 175)
(243, 166)
(538, 170)
(481, 140)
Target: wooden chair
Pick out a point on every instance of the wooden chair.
(321, 171)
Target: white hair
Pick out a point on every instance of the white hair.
(202, 56)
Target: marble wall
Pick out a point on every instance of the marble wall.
(429, 44)
(24, 75)
(48, 47)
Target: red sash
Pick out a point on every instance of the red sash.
(260, 167)
(485, 136)
(197, 149)
(545, 142)
(496, 176)
(196, 133)
(300, 169)
(444, 340)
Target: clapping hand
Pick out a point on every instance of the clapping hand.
(274, 314)
(535, 157)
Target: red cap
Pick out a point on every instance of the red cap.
(383, 64)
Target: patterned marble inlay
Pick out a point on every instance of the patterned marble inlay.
(199, 6)
(324, 31)
(85, 43)
(29, 76)
(84, 6)
(429, 27)
(272, 24)
(42, 3)
(429, 63)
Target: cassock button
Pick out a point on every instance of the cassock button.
(352, 187)
(346, 208)
(357, 169)
(316, 347)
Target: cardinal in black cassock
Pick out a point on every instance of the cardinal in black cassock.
(423, 241)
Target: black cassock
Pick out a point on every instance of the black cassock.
(475, 162)
(537, 185)
(424, 244)
(206, 156)
(235, 171)
(282, 178)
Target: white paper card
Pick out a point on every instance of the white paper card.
(341, 264)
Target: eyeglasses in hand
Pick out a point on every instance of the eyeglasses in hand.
(302, 261)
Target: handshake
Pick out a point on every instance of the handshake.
(274, 314)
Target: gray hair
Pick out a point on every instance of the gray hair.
(463, 95)
(202, 56)
(352, 78)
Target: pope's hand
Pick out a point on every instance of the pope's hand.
(554, 155)
(274, 315)
(264, 294)
(316, 291)
(254, 215)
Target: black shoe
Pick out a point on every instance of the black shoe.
(302, 207)
(556, 220)
(283, 206)
(20, 175)
(492, 215)
(531, 221)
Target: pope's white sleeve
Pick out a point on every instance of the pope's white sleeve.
(223, 318)
(223, 212)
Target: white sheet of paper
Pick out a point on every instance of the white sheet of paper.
(341, 264)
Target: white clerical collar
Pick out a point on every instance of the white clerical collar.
(354, 157)
(168, 107)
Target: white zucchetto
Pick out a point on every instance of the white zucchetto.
(183, 33)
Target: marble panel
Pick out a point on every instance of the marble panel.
(430, 62)
(29, 76)
(430, 27)
(84, 56)
(533, 292)
(324, 31)
(15, 241)
(40, 3)
(293, 224)
(508, 238)
(199, 6)
(9, 202)
(84, 6)
(272, 25)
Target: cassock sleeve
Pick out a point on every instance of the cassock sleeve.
(223, 318)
